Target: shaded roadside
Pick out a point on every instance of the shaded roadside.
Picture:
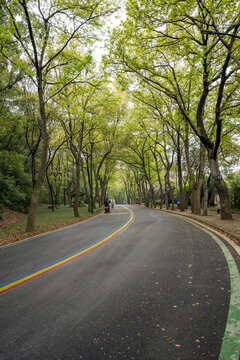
(13, 225)
(230, 228)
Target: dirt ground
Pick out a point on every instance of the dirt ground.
(10, 217)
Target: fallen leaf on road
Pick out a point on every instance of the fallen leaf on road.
(167, 338)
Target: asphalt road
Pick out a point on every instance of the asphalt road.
(157, 289)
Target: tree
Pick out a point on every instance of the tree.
(137, 154)
(54, 172)
(164, 47)
(163, 123)
(34, 27)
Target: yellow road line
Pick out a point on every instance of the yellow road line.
(66, 260)
(117, 213)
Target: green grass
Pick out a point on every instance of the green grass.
(64, 214)
(46, 220)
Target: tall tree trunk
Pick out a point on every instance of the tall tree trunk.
(170, 189)
(159, 181)
(139, 193)
(102, 196)
(166, 192)
(196, 183)
(161, 191)
(222, 189)
(42, 170)
(86, 186)
(171, 196)
(33, 211)
(97, 196)
(143, 192)
(180, 180)
(205, 197)
(146, 198)
(64, 196)
(69, 193)
(196, 198)
(152, 194)
(77, 186)
(134, 195)
(50, 191)
(185, 197)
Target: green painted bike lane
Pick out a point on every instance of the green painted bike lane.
(230, 349)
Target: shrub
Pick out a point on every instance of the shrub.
(15, 183)
(234, 189)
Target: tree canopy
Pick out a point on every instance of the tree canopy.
(157, 120)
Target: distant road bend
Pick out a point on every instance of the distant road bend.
(132, 284)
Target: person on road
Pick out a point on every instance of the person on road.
(217, 203)
(107, 206)
(178, 201)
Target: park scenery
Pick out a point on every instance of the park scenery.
(136, 101)
(119, 139)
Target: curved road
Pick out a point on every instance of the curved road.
(133, 284)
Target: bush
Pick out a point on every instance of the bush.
(15, 183)
(233, 181)
(146, 203)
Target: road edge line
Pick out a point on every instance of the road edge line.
(231, 339)
(25, 278)
(47, 232)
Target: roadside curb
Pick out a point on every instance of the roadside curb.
(234, 240)
(35, 274)
(230, 342)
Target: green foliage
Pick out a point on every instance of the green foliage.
(116, 188)
(234, 189)
(161, 44)
(158, 55)
(14, 182)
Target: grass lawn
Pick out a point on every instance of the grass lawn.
(46, 220)
(64, 214)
